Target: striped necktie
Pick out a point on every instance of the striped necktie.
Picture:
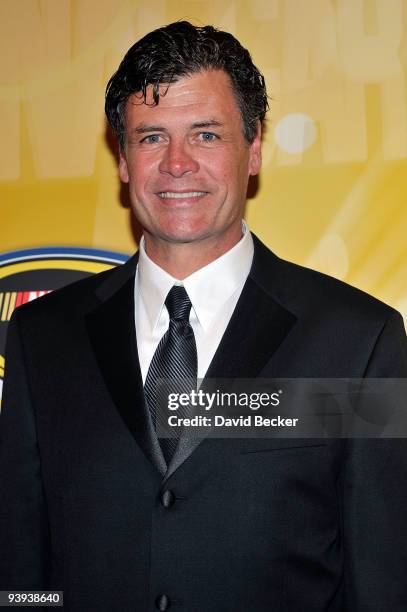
(175, 359)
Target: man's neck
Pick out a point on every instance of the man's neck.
(180, 260)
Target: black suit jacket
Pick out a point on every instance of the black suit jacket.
(87, 505)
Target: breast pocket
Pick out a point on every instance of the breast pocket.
(269, 445)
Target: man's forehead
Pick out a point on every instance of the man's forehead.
(198, 89)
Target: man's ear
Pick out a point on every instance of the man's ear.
(123, 170)
(255, 153)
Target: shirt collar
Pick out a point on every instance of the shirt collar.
(208, 288)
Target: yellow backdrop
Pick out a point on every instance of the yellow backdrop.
(333, 190)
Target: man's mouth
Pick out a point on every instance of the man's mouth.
(181, 195)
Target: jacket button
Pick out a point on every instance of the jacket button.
(167, 499)
(163, 602)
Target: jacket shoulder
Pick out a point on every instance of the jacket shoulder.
(309, 293)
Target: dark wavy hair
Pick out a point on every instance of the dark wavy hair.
(181, 49)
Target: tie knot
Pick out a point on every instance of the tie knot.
(178, 303)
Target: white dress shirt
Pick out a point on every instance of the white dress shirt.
(213, 290)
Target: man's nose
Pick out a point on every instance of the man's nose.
(178, 159)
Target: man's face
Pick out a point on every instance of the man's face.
(187, 162)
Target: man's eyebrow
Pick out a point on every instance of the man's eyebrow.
(206, 124)
(143, 129)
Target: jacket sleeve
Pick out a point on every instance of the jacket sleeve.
(374, 494)
(24, 534)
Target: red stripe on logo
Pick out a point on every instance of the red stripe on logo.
(19, 299)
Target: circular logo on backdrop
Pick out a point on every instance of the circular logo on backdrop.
(31, 273)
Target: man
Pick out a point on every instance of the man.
(92, 501)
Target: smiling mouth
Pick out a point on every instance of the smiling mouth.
(178, 195)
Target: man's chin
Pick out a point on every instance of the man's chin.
(185, 237)
(179, 234)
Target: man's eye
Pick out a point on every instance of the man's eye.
(208, 136)
(151, 139)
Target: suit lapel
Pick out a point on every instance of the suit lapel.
(256, 330)
(112, 334)
(257, 327)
